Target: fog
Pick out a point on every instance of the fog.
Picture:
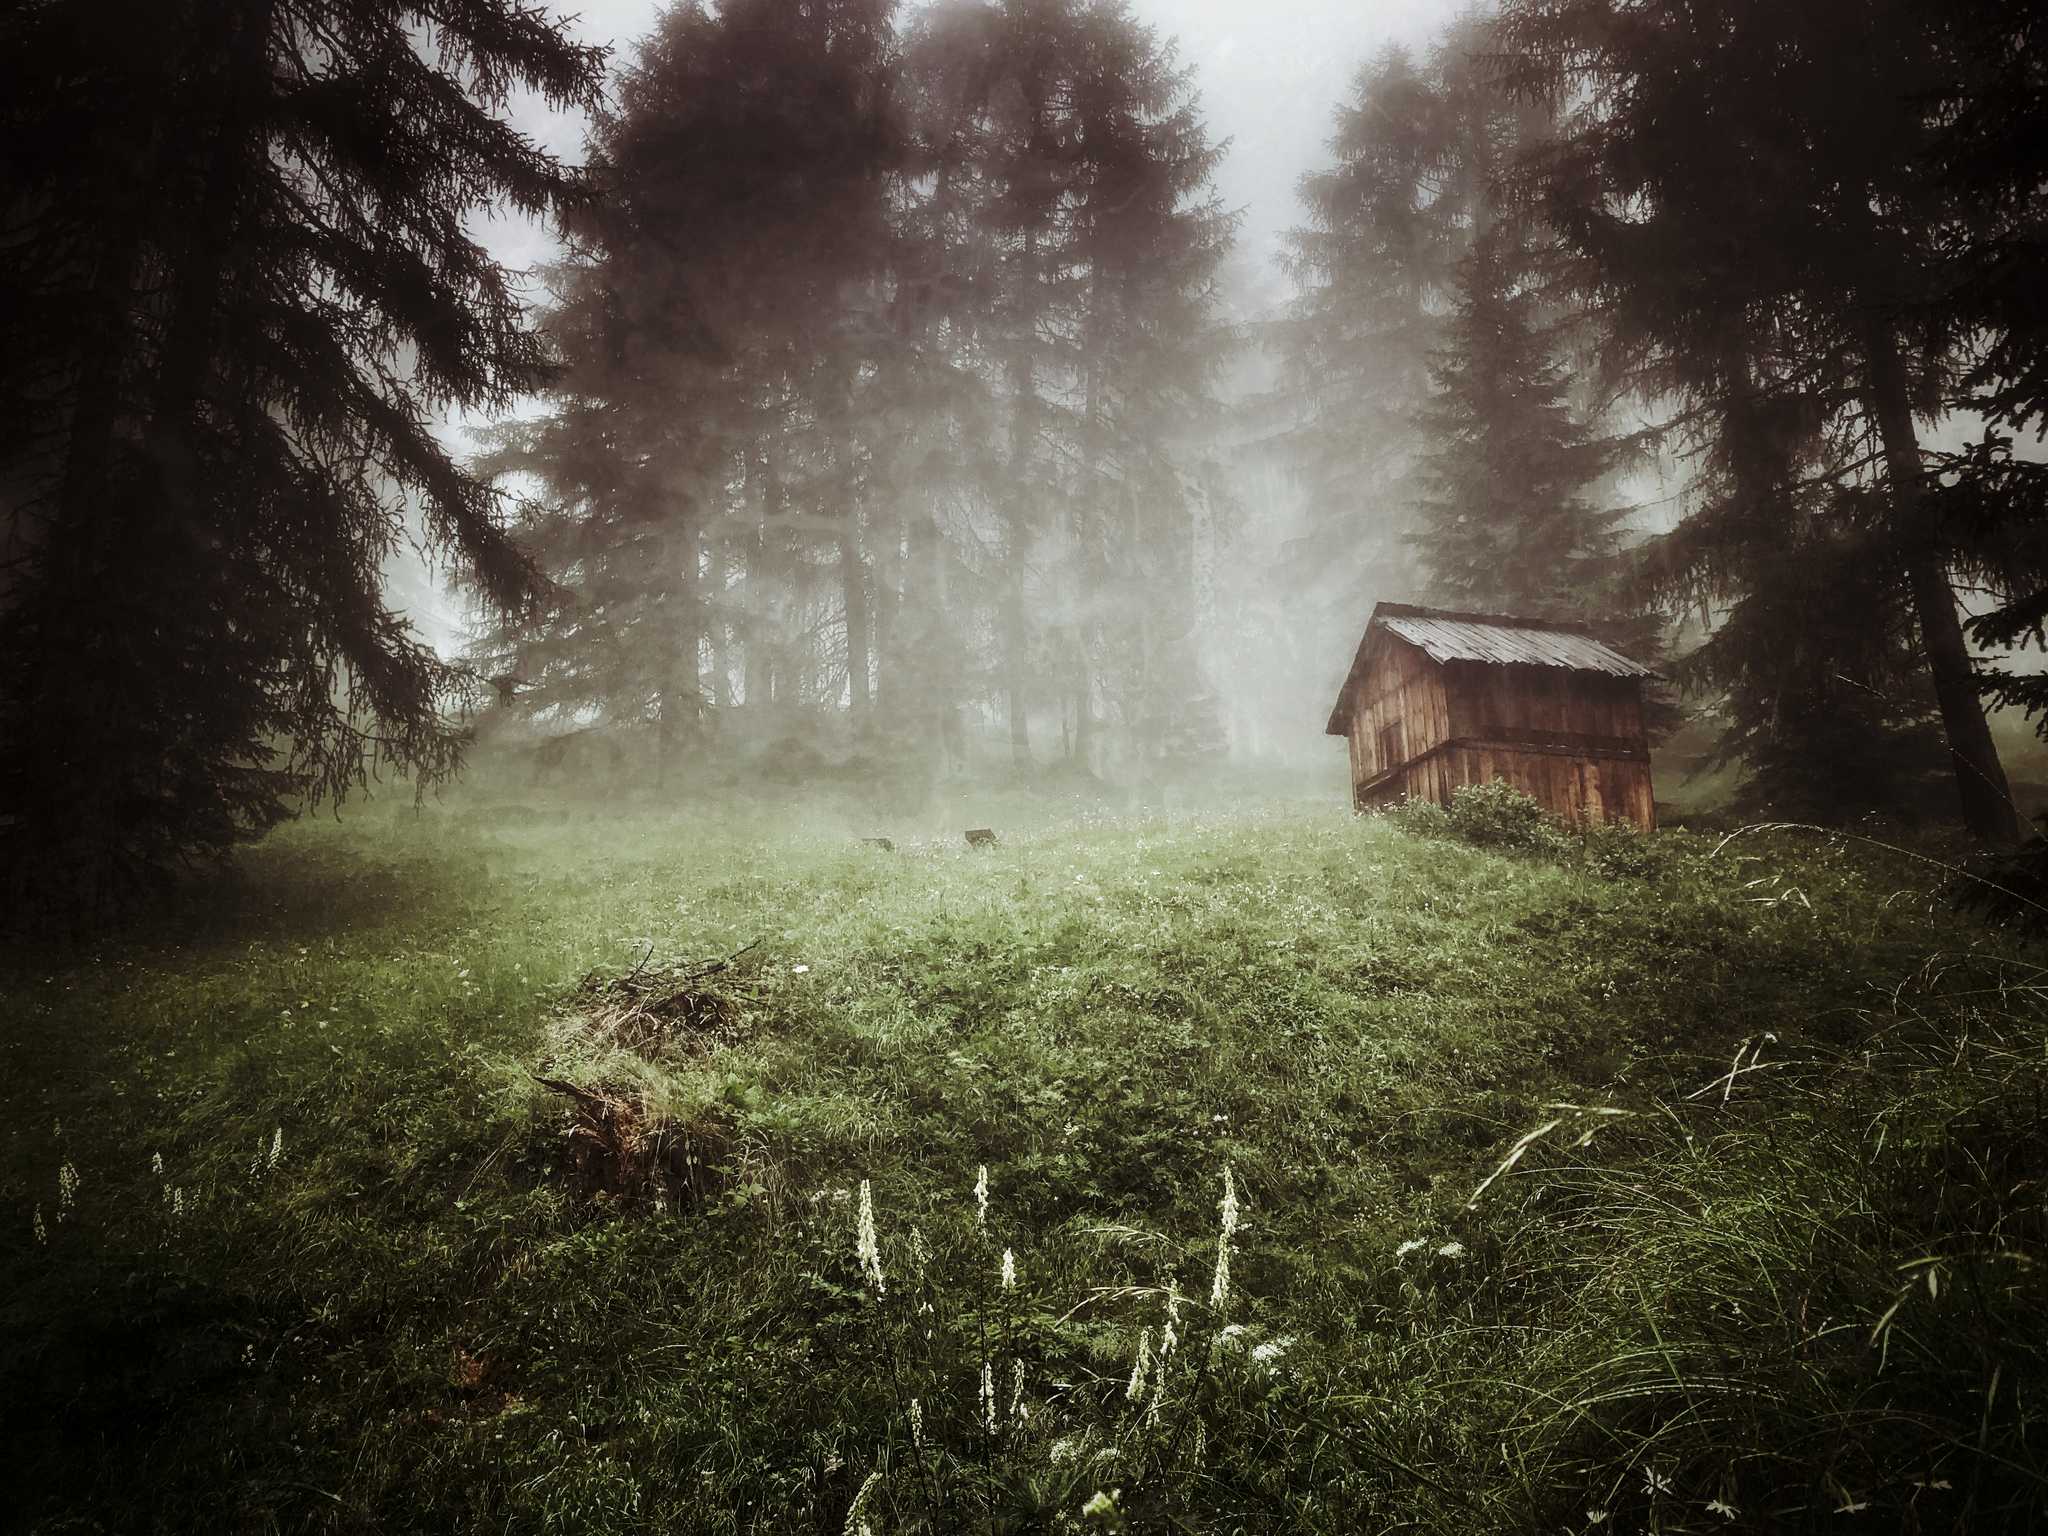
(1268, 83)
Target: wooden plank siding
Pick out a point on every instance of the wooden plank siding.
(1571, 740)
(1402, 688)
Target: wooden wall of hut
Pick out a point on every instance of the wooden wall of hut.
(1576, 786)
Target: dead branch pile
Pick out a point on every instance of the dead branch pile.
(619, 1150)
(652, 1008)
(620, 1146)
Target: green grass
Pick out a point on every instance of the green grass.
(411, 1321)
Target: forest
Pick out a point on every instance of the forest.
(683, 676)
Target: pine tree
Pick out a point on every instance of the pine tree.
(1374, 264)
(1780, 165)
(717, 320)
(1506, 523)
(237, 287)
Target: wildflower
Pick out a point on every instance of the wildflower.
(67, 1190)
(1143, 1359)
(256, 1162)
(1407, 1248)
(799, 970)
(1009, 1270)
(856, 1512)
(1101, 1504)
(1272, 1349)
(1219, 1288)
(42, 1232)
(1722, 1508)
(981, 1197)
(916, 1424)
(920, 1252)
(1063, 1449)
(156, 1164)
(177, 1202)
(1451, 1250)
(865, 1246)
(1017, 1393)
(276, 1153)
(988, 1396)
(1655, 1482)
(1232, 1336)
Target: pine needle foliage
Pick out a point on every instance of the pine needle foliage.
(229, 320)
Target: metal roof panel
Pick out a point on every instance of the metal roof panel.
(1508, 642)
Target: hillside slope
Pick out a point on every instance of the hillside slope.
(307, 1244)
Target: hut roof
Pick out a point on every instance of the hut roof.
(1496, 639)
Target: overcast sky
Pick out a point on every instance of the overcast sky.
(1270, 71)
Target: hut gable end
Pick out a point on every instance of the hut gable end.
(1436, 700)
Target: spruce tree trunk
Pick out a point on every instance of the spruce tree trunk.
(720, 628)
(853, 579)
(1016, 543)
(1980, 779)
(682, 697)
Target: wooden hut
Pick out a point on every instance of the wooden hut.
(1436, 700)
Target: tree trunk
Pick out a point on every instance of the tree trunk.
(853, 578)
(1016, 545)
(682, 695)
(1980, 779)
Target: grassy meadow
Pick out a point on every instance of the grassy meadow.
(1679, 1184)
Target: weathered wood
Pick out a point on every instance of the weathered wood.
(1572, 740)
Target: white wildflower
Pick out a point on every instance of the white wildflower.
(1017, 1393)
(865, 1246)
(1407, 1248)
(42, 1232)
(1272, 1349)
(156, 1164)
(1066, 1448)
(276, 1153)
(856, 1512)
(1138, 1365)
(1451, 1250)
(1229, 1206)
(981, 1197)
(916, 1425)
(1722, 1508)
(1655, 1482)
(1009, 1270)
(1219, 1287)
(1101, 1504)
(177, 1202)
(988, 1395)
(1232, 1336)
(799, 970)
(67, 1190)
(1596, 1517)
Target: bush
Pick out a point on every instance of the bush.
(1495, 815)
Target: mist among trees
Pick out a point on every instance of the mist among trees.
(897, 406)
